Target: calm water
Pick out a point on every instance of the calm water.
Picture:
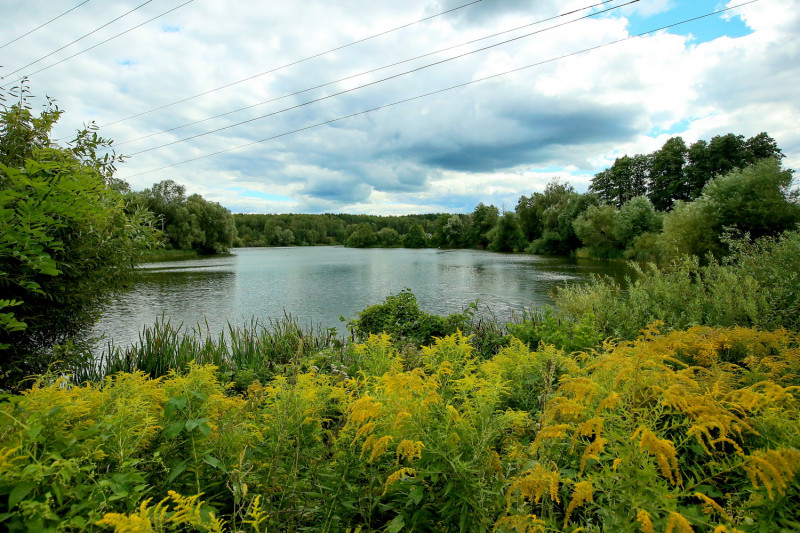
(317, 285)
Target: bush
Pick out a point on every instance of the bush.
(692, 429)
(400, 316)
(758, 285)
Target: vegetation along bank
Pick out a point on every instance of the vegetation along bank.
(669, 404)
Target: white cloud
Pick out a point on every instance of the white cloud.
(448, 151)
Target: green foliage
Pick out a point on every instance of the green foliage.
(483, 220)
(545, 327)
(693, 429)
(677, 173)
(363, 236)
(67, 237)
(328, 229)
(400, 316)
(191, 223)
(667, 181)
(596, 229)
(636, 217)
(757, 285)
(507, 236)
(388, 237)
(454, 232)
(416, 237)
(626, 179)
(547, 218)
(757, 200)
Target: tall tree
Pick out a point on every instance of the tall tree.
(667, 176)
(484, 219)
(507, 235)
(627, 178)
(757, 200)
(191, 223)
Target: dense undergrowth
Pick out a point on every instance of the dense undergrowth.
(680, 414)
(689, 431)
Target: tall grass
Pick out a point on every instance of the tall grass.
(255, 350)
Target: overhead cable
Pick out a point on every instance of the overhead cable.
(258, 104)
(376, 82)
(39, 27)
(289, 64)
(80, 38)
(101, 42)
(519, 69)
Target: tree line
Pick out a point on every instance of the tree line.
(648, 207)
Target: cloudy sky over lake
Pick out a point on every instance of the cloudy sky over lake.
(295, 129)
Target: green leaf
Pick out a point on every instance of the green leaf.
(173, 430)
(175, 403)
(177, 471)
(19, 493)
(213, 461)
(396, 525)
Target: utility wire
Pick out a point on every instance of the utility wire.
(100, 43)
(309, 102)
(364, 73)
(43, 25)
(289, 64)
(551, 60)
(80, 38)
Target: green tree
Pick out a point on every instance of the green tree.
(191, 223)
(213, 231)
(757, 200)
(558, 235)
(762, 146)
(454, 232)
(388, 237)
(667, 177)
(484, 219)
(595, 228)
(362, 237)
(627, 178)
(538, 211)
(507, 235)
(636, 217)
(67, 238)
(415, 238)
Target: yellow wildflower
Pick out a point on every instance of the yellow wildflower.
(583, 492)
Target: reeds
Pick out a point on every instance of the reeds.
(256, 350)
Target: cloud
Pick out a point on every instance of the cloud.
(490, 141)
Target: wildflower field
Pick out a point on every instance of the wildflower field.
(694, 430)
(558, 422)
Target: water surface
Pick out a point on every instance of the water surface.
(317, 285)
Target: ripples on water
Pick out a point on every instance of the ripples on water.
(317, 285)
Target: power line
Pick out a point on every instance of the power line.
(80, 38)
(290, 64)
(551, 60)
(309, 102)
(101, 42)
(366, 72)
(43, 25)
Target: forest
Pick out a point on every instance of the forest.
(671, 403)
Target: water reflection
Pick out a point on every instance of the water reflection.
(317, 285)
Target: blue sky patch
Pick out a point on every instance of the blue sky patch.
(678, 127)
(126, 62)
(703, 30)
(170, 28)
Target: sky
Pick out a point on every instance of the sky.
(385, 107)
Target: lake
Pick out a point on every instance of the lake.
(317, 285)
